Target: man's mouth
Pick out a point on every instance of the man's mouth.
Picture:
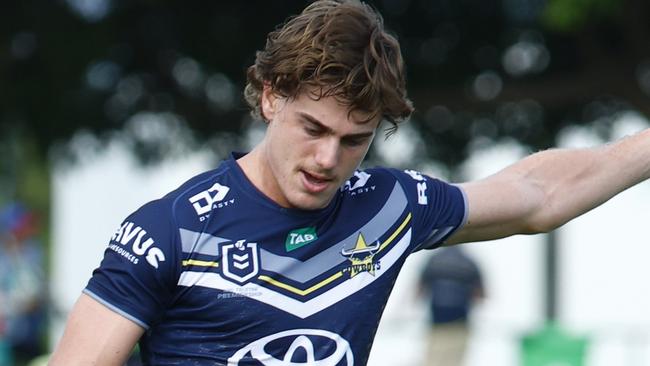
(315, 183)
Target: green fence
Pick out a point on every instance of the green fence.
(551, 346)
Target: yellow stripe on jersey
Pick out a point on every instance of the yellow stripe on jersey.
(196, 262)
(394, 235)
(298, 291)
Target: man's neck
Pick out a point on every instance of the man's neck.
(252, 167)
(256, 168)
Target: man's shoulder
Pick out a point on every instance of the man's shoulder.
(394, 174)
(376, 179)
(201, 181)
(191, 198)
(383, 178)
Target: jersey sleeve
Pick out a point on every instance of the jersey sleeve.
(140, 268)
(439, 208)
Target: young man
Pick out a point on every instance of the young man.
(287, 255)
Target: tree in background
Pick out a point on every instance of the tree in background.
(478, 69)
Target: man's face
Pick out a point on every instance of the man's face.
(311, 148)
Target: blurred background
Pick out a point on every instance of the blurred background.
(106, 104)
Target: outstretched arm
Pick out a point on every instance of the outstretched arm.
(549, 188)
(95, 335)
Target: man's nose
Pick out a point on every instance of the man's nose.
(327, 153)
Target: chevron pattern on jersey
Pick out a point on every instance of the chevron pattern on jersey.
(301, 288)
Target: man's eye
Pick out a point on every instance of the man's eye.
(312, 131)
(354, 142)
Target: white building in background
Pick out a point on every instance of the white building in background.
(603, 259)
(89, 201)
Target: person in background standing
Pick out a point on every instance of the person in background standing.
(451, 282)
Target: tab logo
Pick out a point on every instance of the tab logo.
(300, 237)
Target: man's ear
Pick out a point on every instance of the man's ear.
(269, 103)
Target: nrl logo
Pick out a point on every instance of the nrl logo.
(361, 257)
(240, 261)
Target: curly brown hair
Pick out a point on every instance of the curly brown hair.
(337, 48)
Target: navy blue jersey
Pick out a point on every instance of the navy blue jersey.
(218, 274)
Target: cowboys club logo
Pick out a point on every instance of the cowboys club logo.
(361, 257)
(297, 347)
(240, 261)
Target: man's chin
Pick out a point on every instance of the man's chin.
(310, 202)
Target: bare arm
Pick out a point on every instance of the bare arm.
(547, 189)
(95, 335)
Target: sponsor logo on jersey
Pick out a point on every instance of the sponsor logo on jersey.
(300, 237)
(357, 184)
(361, 257)
(240, 261)
(210, 199)
(297, 347)
(141, 244)
(421, 186)
(305, 285)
